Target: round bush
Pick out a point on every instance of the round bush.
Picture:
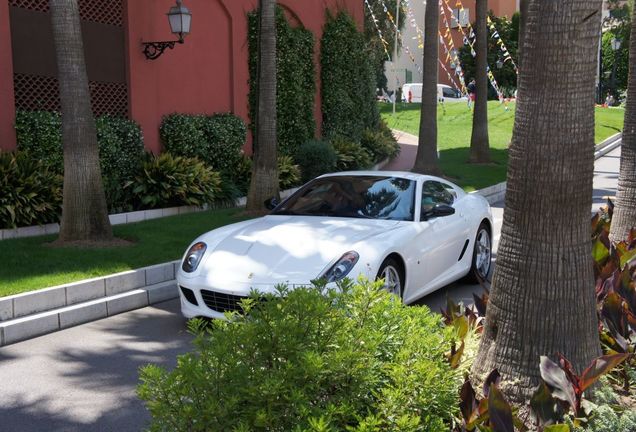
(30, 192)
(318, 359)
(40, 134)
(316, 158)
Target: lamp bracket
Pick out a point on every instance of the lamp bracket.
(153, 50)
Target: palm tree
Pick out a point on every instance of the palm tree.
(542, 299)
(426, 158)
(624, 218)
(264, 184)
(85, 214)
(479, 145)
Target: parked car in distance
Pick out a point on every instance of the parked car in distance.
(412, 92)
(416, 232)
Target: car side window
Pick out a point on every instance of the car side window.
(448, 93)
(435, 193)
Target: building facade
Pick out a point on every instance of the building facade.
(408, 67)
(207, 74)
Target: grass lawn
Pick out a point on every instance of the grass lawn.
(454, 123)
(29, 264)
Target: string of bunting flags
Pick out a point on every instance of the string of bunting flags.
(446, 40)
(502, 46)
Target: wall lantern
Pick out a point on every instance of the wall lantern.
(616, 44)
(180, 19)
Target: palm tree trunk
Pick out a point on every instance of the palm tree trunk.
(542, 299)
(523, 13)
(84, 214)
(426, 158)
(624, 218)
(479, 145)
(264, 182)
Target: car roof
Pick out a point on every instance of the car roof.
(401, 174)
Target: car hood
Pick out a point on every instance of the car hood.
(284, 249)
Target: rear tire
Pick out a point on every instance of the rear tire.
(482, 255)
(393, 275)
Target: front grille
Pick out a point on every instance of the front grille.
(222, 302)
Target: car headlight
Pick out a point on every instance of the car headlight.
(193, 257)
(341, 268)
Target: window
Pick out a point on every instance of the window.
(449, 93)
(460, 18)
(435, 193)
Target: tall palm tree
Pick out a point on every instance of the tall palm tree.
(84, 214)
(479, 145)
(624, 218)
(264, 184)
(426, 158)
(542, 299)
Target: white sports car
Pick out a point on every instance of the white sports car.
(416, 232)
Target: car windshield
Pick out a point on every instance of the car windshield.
(369, 197)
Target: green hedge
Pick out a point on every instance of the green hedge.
(30, 192)
(216, 140)
(310, 359)
(296, 82)
(348, 80)
(121, 149)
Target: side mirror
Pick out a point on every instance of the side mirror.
(439, 210)
(271, 203)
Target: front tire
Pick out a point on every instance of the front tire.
(482, 255)
(393, 275)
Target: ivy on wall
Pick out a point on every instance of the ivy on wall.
(296, 81)
(348, 80)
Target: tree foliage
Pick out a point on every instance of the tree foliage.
(506, 76)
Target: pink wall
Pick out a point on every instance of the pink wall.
(209, 72)
(7, 105)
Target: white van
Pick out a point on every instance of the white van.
(412, 92)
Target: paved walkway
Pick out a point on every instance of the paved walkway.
(408, 151)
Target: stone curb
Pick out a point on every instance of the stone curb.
(23, 316)
(497, 193)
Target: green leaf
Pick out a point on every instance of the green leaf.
(600, 252)
(557, 428)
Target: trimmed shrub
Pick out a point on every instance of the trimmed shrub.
(318, 359)
(121, 149)
(216, 140)
(121, 153)
(380, 143)
(295, 82)
(40, 134)
(171, 181)
(30, 191)
(348, 80)
(351, 155)
(316, 158)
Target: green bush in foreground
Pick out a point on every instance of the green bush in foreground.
(311, 359)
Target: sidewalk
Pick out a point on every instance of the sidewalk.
(408, 151)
